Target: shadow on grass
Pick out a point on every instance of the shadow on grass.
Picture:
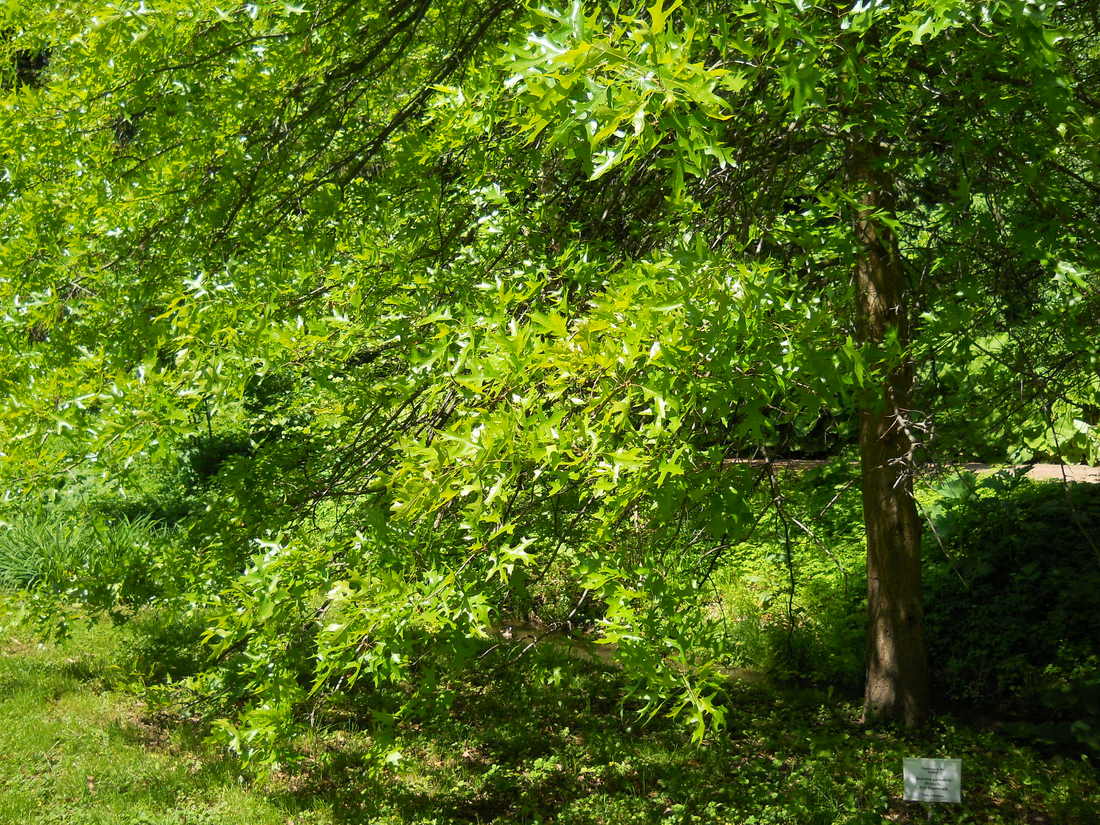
(553, 745)
(193, 768)
(51, 678)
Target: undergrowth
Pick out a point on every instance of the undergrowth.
(533, 737)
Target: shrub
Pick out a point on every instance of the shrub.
(1013, 600)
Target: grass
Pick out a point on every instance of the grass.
(542, 743)
(74, 751)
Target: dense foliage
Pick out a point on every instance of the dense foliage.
(379, 328)
(1012, 603)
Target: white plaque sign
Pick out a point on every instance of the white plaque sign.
(932, 780)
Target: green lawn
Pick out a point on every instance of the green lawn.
(74, 751)
(500, 749)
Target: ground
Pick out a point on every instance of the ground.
(77, 748)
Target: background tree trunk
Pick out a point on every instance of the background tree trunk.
(897, 661)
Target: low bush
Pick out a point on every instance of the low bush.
(1012, 593)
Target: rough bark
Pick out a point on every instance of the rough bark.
(897, 663)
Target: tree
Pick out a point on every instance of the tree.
(435, 307)
(897, 667)
(845, 81)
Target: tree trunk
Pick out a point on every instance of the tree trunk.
(897, 662)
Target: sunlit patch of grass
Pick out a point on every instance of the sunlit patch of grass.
(73, 751)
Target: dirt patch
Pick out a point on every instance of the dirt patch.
(1079, 473)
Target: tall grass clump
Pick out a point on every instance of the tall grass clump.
(66, 556)
(42, 549)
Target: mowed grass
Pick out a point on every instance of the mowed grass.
(544, 742)
(74, 751)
